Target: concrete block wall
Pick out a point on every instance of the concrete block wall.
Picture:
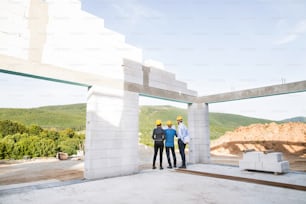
(79, 41)
(198, 126)
(111, 147)
(59, 33)
(271, 162)
(157, 78)
(160, 75)
(133, 71)
(165, 80)
(14, 35)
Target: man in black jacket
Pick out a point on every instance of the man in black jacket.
(158, 136)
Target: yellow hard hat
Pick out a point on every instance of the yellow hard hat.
(158, 122)
(169, 122)
(179, 117)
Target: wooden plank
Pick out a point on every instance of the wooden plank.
(242, 179)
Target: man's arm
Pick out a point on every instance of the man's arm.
(153, 134)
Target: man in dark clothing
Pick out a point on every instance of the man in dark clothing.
(158, 136)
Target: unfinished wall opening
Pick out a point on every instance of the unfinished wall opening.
(40, 118)
(276, 123)
(151, 109)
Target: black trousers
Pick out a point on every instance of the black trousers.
(173, 155)
(158, 146)
(182, 151)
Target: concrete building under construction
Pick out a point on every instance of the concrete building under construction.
(56, 40)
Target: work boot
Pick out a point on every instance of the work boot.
(182, 167)
(154, 167)
(161, 168)
(169, 167)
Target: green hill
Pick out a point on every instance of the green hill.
(73, 116)
(295, 119)
(59, 117)
(219, 122)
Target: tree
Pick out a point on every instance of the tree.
(7, 147)
(34, 130)
(18, 141)
(8, 127)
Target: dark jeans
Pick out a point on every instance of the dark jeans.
(158, 146)
(182, 151)
(173, 155)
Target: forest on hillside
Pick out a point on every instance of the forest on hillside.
(44, 131)
(18, 141)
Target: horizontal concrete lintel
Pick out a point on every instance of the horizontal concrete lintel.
(43, 78)
(159, 93)
(17, 66)
(255, 93)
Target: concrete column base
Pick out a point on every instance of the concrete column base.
(198, 125)
(111, 147)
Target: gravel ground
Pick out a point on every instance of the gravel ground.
(15, 172)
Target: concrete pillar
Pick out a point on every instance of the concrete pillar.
(198, 126)
(111, 146)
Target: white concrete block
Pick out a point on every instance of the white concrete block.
(113, 133)
(285, 167)
(273, 157)
(244, 165)
(79, 41)
(14, 35)
(198, 114)
(271, 162)
(252, 156)
(258, 165)
(279, 167)
(133, 78)
(161, 75)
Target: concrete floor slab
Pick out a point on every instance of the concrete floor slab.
(293, 177)
(159, 186)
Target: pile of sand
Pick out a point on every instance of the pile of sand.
(289, 138)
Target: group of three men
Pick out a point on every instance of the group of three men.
(168, 134)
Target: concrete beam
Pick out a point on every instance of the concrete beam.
(255, 93)
(17, 66)
(159, 93)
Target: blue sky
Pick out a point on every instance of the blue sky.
(220, 46)
(215, 46)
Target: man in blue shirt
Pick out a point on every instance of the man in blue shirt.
(170, 133)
